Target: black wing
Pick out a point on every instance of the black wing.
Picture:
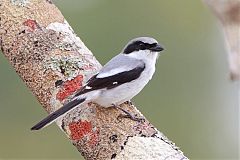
(110, 82)
(53, 116)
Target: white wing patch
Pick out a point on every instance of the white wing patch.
(115, 82)
(112, 72)
(87, 87)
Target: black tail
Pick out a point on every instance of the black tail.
(53, 116)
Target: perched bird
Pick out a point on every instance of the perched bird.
(122, 78)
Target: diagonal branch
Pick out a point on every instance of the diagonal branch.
(54, 63)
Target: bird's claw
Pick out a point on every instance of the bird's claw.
(134, 118)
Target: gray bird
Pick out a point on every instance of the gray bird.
(122, 78)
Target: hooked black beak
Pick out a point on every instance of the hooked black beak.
(157, 48)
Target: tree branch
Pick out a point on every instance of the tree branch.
(54, 63)
(228, 12)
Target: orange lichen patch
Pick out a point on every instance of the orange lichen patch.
(84, 129)
(32, 24)
(70, 87)
(94, 138)
(80, 129)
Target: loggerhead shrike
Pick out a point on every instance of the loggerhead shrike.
(122, 78)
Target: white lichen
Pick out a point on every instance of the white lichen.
(71, 41)
(80, 55)
(143, 148)
(21, 3)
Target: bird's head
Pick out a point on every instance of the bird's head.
(143, 47)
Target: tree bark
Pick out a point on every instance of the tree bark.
(228, 13)
(54, 63)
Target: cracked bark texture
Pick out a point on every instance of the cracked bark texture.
(228, 13)
(54, 63)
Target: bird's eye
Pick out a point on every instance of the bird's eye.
(141, 45)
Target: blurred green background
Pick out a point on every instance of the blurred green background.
(190, 99)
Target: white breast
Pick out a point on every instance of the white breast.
(128, 90)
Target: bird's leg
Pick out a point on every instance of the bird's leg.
(128, 114)
(129, 102)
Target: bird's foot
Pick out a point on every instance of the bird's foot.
(129, 115)
(132, 117)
